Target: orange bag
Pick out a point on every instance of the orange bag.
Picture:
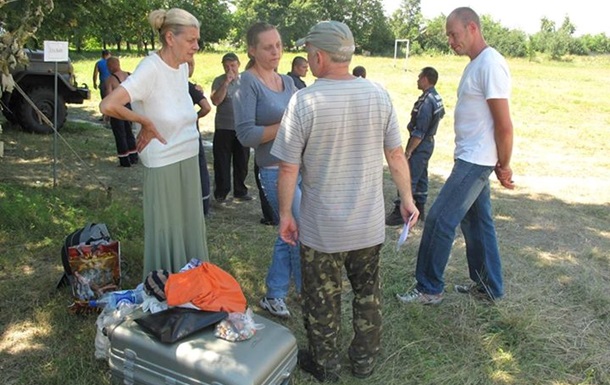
(206, 286)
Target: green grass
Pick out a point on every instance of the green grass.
(552, 328)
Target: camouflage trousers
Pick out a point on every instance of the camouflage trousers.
(321, 300)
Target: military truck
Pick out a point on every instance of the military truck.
(37, 79)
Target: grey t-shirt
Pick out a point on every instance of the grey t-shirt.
(256, 106)
(224, 111)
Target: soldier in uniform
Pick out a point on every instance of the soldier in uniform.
(427, 112)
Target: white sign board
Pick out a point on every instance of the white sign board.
(55, 51)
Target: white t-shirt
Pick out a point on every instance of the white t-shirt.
(485, 77)
(336, 130)
(160, 93)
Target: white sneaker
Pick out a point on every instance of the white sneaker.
(416, 296)
(275, 306)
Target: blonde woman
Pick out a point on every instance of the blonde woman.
(259, 103)
(168, 143)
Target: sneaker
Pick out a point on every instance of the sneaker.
(124, 162)
(243, 198)
(275, 306)
(394, 218)
(416, 296)
(307, 364)
(222, 200)
(476, 290)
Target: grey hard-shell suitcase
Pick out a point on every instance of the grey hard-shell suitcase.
(268, 358)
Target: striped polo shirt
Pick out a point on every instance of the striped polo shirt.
(337, 130)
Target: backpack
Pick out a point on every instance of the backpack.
(91, 234)
(92, 266)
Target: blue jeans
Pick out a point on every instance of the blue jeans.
(463, 200)
(285, 262)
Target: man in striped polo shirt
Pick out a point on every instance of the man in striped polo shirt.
(337, 132)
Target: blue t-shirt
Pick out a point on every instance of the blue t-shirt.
(102, 68)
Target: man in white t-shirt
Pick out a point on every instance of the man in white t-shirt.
(337, 132)
(484, 142)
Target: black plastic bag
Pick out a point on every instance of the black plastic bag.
(176, 323)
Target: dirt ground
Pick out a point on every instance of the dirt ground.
(86, 160)
(36, 167)
(594, 187)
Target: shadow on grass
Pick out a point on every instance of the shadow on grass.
(550, 329)
(555, 261)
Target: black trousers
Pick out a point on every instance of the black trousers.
(205, 178)
(227, 149)
(124, 139)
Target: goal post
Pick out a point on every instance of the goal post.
(396, 44)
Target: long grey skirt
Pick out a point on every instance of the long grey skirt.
(174, 225)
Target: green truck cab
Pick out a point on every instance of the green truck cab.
(37, 79)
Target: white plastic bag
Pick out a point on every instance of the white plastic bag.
(109, 317)
(152, 304)
(238, 327)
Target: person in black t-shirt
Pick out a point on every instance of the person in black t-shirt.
(299, 70)
(199, 99)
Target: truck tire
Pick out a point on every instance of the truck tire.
(9, 116)
(44, 99)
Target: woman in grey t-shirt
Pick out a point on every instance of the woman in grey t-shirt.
(259, 103)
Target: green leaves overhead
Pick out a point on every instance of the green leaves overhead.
(122, 24)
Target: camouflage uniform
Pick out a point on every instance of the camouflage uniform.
(321, 297)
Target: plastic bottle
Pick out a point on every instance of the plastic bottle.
(112, 299)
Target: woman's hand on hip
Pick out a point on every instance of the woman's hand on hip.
(147, 134)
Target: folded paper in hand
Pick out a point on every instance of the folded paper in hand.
(404, 234)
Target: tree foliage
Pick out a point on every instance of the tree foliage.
(556, 42)
(368, 24)
(66, 22)
(597, 44)
(292, 18)
(214, 16)
(407, 22)
(508, 42)
(123, 25)
(433, 38)
(20, 23)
